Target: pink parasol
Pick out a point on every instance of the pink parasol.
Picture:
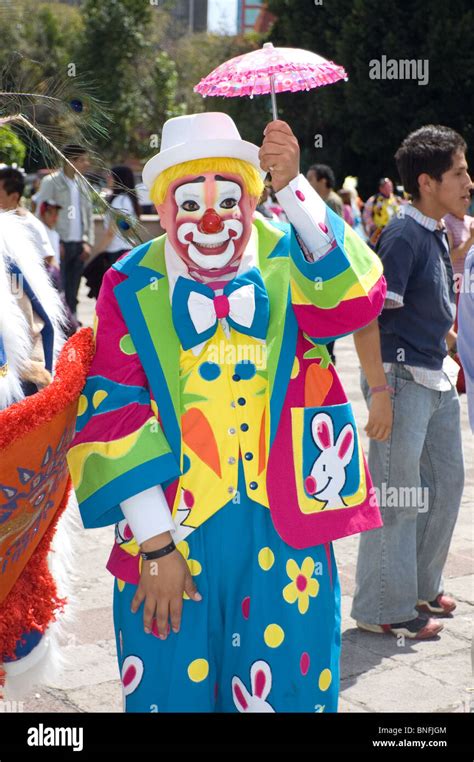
(270, 70)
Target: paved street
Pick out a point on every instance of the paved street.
(378, 675)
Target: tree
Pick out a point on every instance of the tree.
(364, 120)
(12, 150)
(122, 51)
(196, 56)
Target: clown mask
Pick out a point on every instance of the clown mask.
(208, 219)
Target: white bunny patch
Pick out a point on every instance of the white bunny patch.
(261, 684)
(328, 473)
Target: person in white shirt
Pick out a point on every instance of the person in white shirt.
(49, 216)
(123, 199)
(12, 186)
(75, 224)
(113, 244)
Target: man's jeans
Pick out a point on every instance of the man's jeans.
(72, 268)
(418, 474)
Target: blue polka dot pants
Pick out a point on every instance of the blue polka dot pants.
(265, 637)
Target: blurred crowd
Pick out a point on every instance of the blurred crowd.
(59, 215)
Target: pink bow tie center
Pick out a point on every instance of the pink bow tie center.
(221, 306)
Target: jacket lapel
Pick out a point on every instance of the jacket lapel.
(273, 248)
(144, 300)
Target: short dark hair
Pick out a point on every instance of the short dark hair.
(13, 181)
(323, 172)
(429, 149)
(73, 150)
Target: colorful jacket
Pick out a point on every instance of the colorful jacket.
(129, 433)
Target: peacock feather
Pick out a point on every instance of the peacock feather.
(47, 113)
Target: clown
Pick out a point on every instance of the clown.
(213, 424)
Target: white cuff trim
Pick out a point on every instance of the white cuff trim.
(307, 212)
(148, 514)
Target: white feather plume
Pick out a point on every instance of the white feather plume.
(18, 246)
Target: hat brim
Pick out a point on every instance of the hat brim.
(201, 149)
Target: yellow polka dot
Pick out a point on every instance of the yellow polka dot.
(154, 407)
(120, 584)
(325, 679)
(198, 670)
(266, 559)
(95, 326)
(296, 368)
(83, 404)
(194, 567)
(273, 635)
(98, 397)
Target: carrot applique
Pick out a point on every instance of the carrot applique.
(317, 383)
(199, 437)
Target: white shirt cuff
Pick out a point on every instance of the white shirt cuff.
(393, 300)
(307, 212)
(148, 514)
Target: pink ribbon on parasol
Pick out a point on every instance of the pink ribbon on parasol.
(270, 70)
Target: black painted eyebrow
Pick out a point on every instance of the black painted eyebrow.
(197, 180)
(226, 179)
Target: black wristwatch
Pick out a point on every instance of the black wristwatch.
(153, 555)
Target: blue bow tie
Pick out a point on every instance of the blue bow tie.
(196, 309)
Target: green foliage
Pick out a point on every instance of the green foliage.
(144, 65)
(12, 150)
(137, 80)
(196, 56)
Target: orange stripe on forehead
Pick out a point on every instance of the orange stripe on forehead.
(210, 192)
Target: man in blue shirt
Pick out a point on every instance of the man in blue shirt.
(409, 382)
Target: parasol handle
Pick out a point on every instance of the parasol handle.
(273, 96)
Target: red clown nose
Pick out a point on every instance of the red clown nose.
(211, 222)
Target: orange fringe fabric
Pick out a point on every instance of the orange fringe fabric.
(33, 602)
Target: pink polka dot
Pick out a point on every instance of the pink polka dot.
(127, 533)
(300, 195)
(188, 498)
(304, 663)
(246, 607)
(301, 582)
(323, 227)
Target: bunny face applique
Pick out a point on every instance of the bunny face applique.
(328, 473)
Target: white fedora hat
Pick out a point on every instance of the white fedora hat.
(199, 136)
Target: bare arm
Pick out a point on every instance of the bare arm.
(460, 251)
(367, 344)
(161, 587)
(451, 339)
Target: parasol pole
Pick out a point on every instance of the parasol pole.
(273, 95)
(269, 46)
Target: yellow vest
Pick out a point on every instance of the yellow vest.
(224, 416)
